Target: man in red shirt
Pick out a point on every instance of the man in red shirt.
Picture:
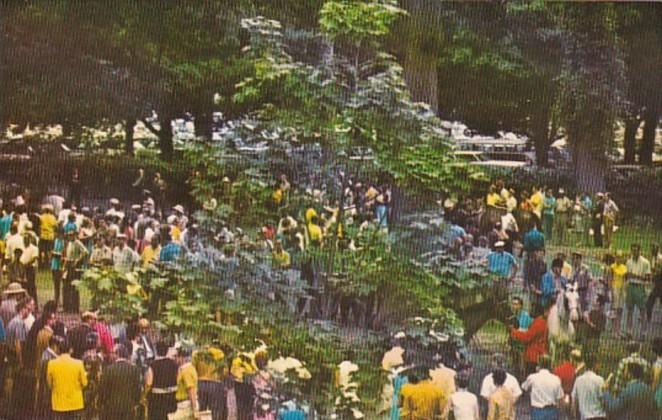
(534, 339)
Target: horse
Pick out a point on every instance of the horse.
(562, 318)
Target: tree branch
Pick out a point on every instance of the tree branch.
(151, 128)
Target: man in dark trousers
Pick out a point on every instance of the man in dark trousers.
(120, 388)
(597, 216)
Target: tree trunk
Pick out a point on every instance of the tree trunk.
(166, 139)
(204, 125)
(420, 72)
(541, 139)
(590, 164)
(648, 140)
(630, 139)
(128, 135)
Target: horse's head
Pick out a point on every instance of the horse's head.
(571, 302)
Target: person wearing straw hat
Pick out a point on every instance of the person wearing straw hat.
(179, 213)
(10, 297)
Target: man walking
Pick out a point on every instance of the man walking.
(74, 255)
(120, 388)
(587, 392)
(546, 391)
(638, 276)
(655, 295)
(610, 213)
(597, 217)
(66, 378)
(562, 216)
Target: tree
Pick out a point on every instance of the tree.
(496, 64)
(128, 60)
(638, 26)
(593, 78)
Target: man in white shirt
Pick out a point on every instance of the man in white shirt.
(587, 393)
(13, 242)
(115, 209)
(63, 215)
(488, 387)
(638, 276)
(124, 258)
(30, 260)
(463, 403)
(546, 391)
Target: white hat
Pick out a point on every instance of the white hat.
(561, 191)
(136, 206)
(20, 201)
(114, 201)
(178, 208)
(499, 244)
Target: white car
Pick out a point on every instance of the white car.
(506, 160)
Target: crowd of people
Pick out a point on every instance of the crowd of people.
(58, 367)
(515, 246)
(53, 367)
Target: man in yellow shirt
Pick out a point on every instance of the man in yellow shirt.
(420, 399)
(536, 201)
(151, 252)
(66, 378)
(315, 231)
(493, 198)
(47, 226)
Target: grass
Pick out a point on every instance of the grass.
(45, 290)
(624, 237)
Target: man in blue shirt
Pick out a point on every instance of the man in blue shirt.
(170, 252)
(500, 262)
(636, 401)
(551, 283)
(534, 240)
(5, 223)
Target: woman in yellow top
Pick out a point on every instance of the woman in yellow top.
(617, 273)
(47, 225)
(187, 384)
(209, 363)
(309, 215)
(280, 257)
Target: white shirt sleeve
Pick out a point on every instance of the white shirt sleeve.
(559, 391)
(514, 386)
(526, 386)
(485, 389)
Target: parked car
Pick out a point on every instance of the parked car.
(469, 156)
